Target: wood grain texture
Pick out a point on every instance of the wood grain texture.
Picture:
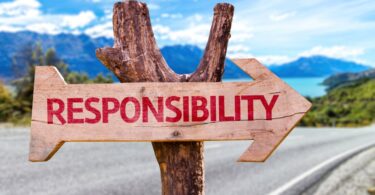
(135, 57)
(267, 134)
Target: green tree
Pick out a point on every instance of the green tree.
(100, 78)
(6, 103)
(24, 85)
(346, 105)
(75, 78)
(21, 59)
(51, 59)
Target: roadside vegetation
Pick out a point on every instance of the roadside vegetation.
(6, 103)
(15, 107)
(350, 104)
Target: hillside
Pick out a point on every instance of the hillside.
(316, 66)
(348, 78)
(350, 105)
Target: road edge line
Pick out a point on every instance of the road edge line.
(282, 189)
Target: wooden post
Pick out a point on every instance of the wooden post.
(135, 57)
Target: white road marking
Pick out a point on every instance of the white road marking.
(308, 173)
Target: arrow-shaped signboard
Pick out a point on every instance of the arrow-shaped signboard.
(264, 110)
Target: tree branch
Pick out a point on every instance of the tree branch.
(211, 67)
(135, 57)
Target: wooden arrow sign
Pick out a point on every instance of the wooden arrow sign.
(264, 110)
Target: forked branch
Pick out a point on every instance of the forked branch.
(135, 56)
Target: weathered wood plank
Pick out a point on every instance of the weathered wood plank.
(233, 111)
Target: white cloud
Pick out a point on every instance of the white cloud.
(26, 15)
(195, 18)
(280, 31)
(197, 34)
(280, 17)
(338, 52)
(231, 55)
(8, 28)
(196, 31)
(48, 28)
(101, 30)
(294, 33)
(243, 51)
(172, 16)
(161, 30)
(274, 59)
(153, 6)
(238, 51)
(239, 48)
(19, 7)
(77, 21)
(264, 59)
(335, 52)
(241, 31)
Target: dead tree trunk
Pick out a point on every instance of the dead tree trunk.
(135, 57)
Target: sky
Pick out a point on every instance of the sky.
(273, 31)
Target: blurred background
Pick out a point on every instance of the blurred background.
(323, 49)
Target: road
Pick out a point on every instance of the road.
(131, 168)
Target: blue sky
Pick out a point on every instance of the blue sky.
(274, 31)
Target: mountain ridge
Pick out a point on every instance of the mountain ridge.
(79, 52)
(316, 66)
(344, 79)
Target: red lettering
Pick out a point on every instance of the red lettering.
(170, 106)
(186, 108)
(71, 110)
(79, 110)
(147, 105)
(222, 116)
(51, 112)
(107, 110)
(250, 105)
(137, 109)
(213, 108)
(195, 108)
(269, 106)
(237, 108)
(93, 110)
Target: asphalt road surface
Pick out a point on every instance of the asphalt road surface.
(131, 168)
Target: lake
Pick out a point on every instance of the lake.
(306, 86)
(309, 86)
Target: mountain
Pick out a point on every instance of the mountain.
(316, 66)
(344, 79)
(79, 52)
(76, 50)
(185, 59)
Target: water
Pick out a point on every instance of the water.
(306, 86)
